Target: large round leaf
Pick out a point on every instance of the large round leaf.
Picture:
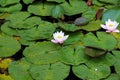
(73, 56)
(113, 77)
(19, 70)
(74, 38)
(68, 27)
(8, 30)
(41, 9)
(113, 14)
(58, 1)
(101, 41)
(111, 1)
(107, 59)
(43, 31)
(28, 1)
(91, 73)
(57, 71)
(8, 2)
(42, 53)
(117, 64)
(13, 8)
(8, 46)
(23, 20)
(57, 11)
(73, 8)
(92, 26)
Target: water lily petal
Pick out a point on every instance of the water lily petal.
(116, 30)
(103, 26)
(54, 41)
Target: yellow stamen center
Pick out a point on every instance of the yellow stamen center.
(59, 37)
(111, 25)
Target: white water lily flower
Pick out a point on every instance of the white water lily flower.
(59, 37)
(110, 26)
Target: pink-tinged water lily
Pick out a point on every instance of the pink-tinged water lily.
(59, 37)
(110, 26)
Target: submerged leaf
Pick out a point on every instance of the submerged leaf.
(81, 21)
(5, 77)
(5, 63)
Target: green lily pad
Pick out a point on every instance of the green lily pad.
(13, 8)
(4, 3)
(72, 8)
(117, 54)
(74, 38)
(100, 41)
(113, 77)
(90, 13)
(72, 56)
(57, 11)
(56, 71)
(23, 20)
(26, 42)
(113, 14)
(92, 26)
(8, 46)
(98, 3)
(28, 1)
(42, 53)
(110, 1)
(19, 70)
(68, 27)
(4, 15)
(43, 31)
(117, 67)
(41, 9)
(7, 30)
(58, 1)
(107, 59)
(91, 73)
